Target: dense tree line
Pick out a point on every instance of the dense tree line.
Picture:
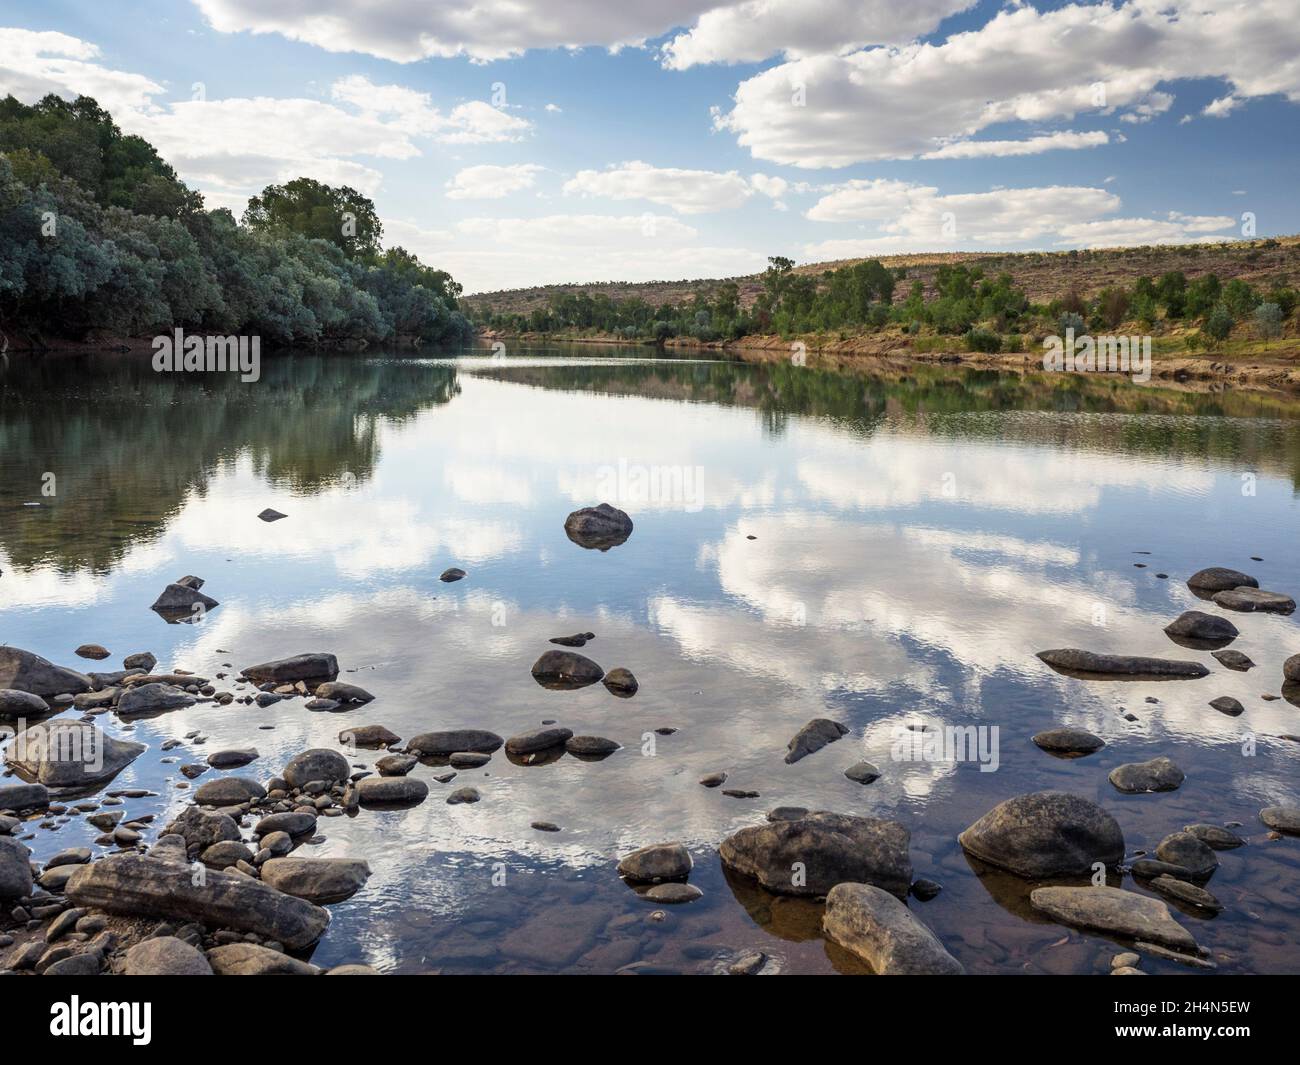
(989, 313)
(98, 233)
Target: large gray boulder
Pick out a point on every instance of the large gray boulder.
(809, 855)
(565, 671)
(24, 796)
(317, 764)
(165, 956)
(146, 886)
(882, 931)
(15, 869)
(313, 666)
(1116, 912)
(813, 737)
(152, 699)
(319, 880)
(1073, 660)
(1045, 834)
(28, 672)
(15, 705)
(70, 755)
(453, 740)
(601, 527)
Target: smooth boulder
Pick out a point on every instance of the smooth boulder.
(1157, 774)
(565, 671)
(540, 739)
(813, 737)
(1220, 579)
(1198, 625)
(343, 692)
(16, 704)
(70, 755)
(600, 527)
(876, 927)
(317, 764)
(228, 791)
(452, 740)
(15, 869)
(153, 699)
(1045, 834)
(165, 956)
(1071, 741)
(313, 666)
(1248, 600)
(319, 880)
(809, 855)
(27, 672)
(656, 862)
(391, 791)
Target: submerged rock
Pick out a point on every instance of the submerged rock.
(1215, 836)
(1282, 819)
(600, 527)
(1220, 579)
(1045, 834)
(813, 737)
(1158, 774)
(319, 880)
(673, 894)
(873, 925)
(565, 671)
(453, 740)
(312, 666)
(811, 854)
(27, 672)
(1073, 741)
(1248, 599)
(1073, 660)
(1114, 911)
(70, 755)
(656, 862)
(141, 885)
(1182, 891)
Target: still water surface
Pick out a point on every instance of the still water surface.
(915, 539)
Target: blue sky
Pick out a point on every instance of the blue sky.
(587, 141)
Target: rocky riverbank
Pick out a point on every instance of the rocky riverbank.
(223, 885)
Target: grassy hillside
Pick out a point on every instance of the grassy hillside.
(1044, 276)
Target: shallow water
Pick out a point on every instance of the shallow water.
(917, 538)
